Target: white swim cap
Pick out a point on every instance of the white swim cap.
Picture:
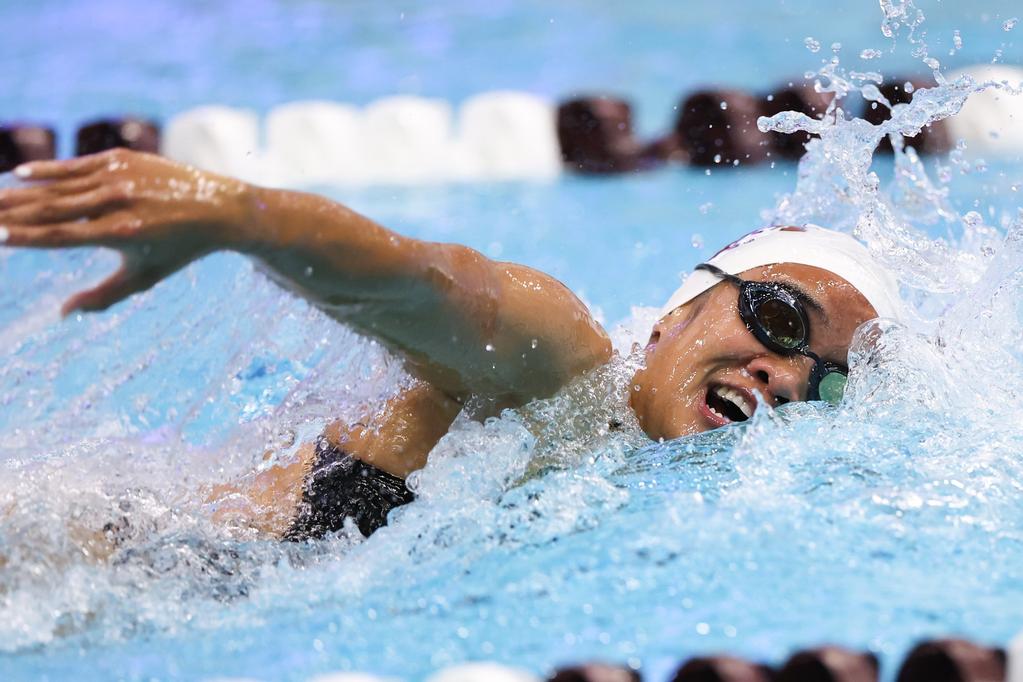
(829, 250)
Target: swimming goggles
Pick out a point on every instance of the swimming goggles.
(777, 318)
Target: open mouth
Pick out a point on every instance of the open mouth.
(729, 404)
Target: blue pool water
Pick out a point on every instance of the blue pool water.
(538, 539)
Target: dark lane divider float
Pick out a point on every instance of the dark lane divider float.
(507, 135)
(22, 142)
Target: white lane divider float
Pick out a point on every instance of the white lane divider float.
(350, 677)
(467, 672)
(215, 138)
(1014, 659)
(313, 143)
(482, 672)
(991, 122)
(395, 140)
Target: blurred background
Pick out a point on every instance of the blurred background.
(64, 63)
(62, 60)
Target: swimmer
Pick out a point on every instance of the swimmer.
(769, 319)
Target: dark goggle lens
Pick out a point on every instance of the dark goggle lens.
(832, 387)
(782, 322)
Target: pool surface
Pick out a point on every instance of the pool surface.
(538, 538)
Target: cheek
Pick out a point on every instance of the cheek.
(666, 402)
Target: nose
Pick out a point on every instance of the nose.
(784, 378)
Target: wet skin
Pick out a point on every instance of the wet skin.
(466, 326)
(704, 345)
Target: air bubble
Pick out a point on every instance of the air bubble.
(812, 45)
(1010, 24)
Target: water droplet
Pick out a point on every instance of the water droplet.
(1010, 24)
(717, 158)
(811, 44)
(724, 105)
(489, 348)
(534, 343)
(870, 54)
(973, 219)
(836, 47)
(309, 271)
(932, 63)
(957, 39)
(697, 241)
(705, 208)
(908, 88)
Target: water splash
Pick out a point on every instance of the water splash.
(541, 535)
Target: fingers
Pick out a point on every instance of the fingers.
(103, 231)
(50, 237)
(58, 170)
(90, 204)
(113, 289)
(19, 196)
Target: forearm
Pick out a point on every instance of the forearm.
(465, 323)
(333, 256)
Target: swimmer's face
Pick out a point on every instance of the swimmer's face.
(703, 348)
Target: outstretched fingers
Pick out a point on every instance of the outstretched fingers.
(101, 232)
(45, 191)
(58, 170)
(89, 204)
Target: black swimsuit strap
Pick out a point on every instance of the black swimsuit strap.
(340, 487)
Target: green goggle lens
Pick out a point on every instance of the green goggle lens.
(832, 387)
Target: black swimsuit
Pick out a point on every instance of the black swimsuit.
(341, 487)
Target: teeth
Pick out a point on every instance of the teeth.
(736, 398)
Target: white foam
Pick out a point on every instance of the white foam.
(218, 139)
(482, 672)
(991, 122)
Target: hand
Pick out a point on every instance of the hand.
(159, 214)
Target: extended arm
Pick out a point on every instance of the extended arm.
(466, 324)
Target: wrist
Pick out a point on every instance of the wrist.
(244, 215)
